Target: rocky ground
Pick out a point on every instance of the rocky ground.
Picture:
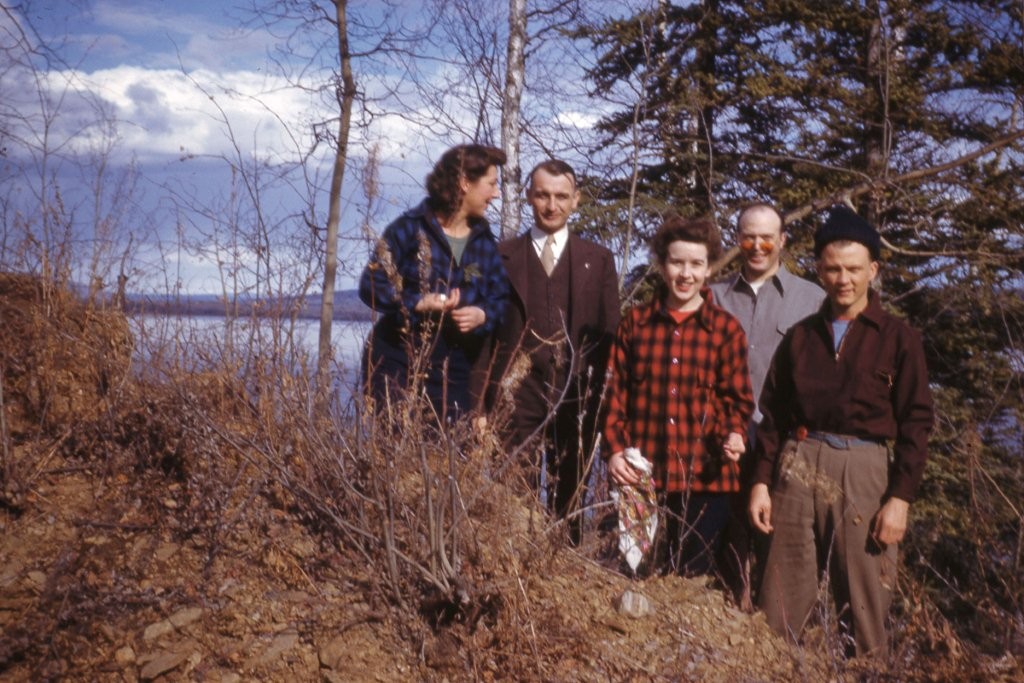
(164, 524)
(97, 583)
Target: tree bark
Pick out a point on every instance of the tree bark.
(345, 94)
(515, 80)
(877, 126)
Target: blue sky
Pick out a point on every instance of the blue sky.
(149, 34)
(190, 91)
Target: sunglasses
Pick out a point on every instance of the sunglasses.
(752, 244)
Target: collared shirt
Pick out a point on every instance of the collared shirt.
(676, 391)
(875, 387)
(767, 315)
(538, 237)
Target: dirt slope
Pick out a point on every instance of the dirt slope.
(98, 583)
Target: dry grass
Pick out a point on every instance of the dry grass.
(416, 540)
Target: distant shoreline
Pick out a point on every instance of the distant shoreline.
(347, 306)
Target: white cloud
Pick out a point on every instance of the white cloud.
(167, 113)
(578, 119)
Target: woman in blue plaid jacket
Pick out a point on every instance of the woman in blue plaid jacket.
(438, 284)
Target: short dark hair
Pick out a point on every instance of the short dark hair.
(554, 167)
(679, 229)
(753, 206)
(464, 161)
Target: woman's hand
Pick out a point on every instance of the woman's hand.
(438, 302)
(621, 472)
(734, 446)
(468, 318)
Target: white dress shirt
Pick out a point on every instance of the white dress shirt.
(539, 237)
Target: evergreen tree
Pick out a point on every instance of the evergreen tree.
(884, 105)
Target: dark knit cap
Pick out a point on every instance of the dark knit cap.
(844, 224)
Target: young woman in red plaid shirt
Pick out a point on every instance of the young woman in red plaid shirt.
(679, 391)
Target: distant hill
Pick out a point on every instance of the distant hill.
(347, 305)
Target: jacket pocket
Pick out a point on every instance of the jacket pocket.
(874, 384)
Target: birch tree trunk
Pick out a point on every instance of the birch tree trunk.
(515, 80)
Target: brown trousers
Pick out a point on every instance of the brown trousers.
(823, 504)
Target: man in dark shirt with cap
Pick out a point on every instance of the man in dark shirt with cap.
(842, 446)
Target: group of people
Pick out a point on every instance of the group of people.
(763, 401)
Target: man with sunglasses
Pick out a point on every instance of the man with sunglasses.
(767, 299)
(764, 296)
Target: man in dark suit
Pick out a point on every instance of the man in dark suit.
(563, 312)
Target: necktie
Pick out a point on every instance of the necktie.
(547, 254)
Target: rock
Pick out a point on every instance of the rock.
(157, 630)
(185, 616)
(303, 548)
(333, 652)
(124, 655)
(166, 551)
(633, 604)
(36, 579)
(162, 663)
(309, 658)
(280, 645)
(177, 620)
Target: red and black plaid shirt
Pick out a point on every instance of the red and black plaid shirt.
(676, 391)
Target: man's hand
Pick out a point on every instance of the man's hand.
(621, 472)
(761, 508)
(890, 522)
(734, 447)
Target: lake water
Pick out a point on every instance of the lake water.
(200, 342)
(204, 341)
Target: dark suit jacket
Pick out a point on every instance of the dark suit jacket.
(593, 314)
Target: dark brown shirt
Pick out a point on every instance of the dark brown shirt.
(875, 387)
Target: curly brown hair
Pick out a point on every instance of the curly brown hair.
(679, 229)
(464, 161)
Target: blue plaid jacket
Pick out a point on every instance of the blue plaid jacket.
(413, 258)
(422, 258)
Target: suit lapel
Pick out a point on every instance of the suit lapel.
(516, 266)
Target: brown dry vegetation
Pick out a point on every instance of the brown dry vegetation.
(217, 527)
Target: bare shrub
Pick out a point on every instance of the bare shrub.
(61, 361)
(61, 357)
